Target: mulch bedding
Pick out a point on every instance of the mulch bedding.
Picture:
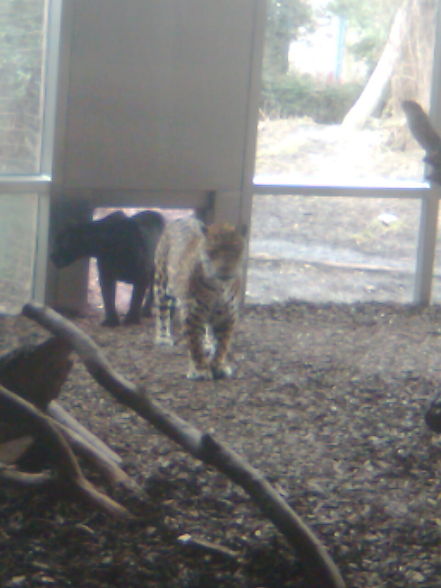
(328, 402)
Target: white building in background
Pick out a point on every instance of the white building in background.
(322, 53)
(316, 53)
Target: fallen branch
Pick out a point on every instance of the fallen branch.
(11, 451)
(37, 372)
(320, 568)
(61, 415)
(108, 468)
(14, 476)
(336, 265)
(37, 423)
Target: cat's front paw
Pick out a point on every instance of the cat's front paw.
(199, 373)
(164, 340)
(132, 319)
(110, 321)
(220, 371)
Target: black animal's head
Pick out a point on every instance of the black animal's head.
(70, 244)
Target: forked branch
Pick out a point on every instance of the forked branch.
(16, 477)
(16, 409)
(320, 568)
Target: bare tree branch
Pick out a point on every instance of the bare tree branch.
(14, 476)
(321, 570)
(37, 372)
(11, 451)
(108, 468)
(15, 408)
(61, 415)
(376, 86)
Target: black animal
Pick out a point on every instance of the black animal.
(423, 131)
(124, 248)
(433, 414)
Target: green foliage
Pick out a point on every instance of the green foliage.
(284, 19)
(301, 95)
(369, 23)
(289, 94)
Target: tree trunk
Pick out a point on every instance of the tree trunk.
(375, 89)
(412, 78)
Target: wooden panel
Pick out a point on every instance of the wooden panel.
(158, 94)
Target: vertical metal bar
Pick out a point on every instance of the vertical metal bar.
(50, 81)
(249, 153)
(430, 203)
(426, 247)
(41, 248)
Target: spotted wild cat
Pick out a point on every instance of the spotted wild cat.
(198, 270)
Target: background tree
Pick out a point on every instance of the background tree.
(284, 19)
(403, 70)
(412, 78)
(368, 25)
(288, 93)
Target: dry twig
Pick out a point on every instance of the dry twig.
(207, 547)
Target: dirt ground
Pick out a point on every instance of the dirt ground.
(339, 249)
(328, 402)
(332, 250)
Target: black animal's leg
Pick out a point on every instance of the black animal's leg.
(138, 292)
(108, 291)
(148, 304)
(147, 309)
